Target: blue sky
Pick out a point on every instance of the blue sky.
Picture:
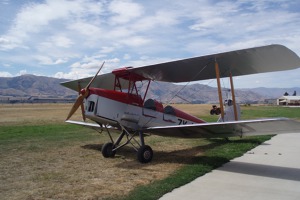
(70, 39)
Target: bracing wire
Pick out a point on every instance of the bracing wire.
(168, 102)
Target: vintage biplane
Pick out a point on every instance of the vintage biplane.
(116, 101)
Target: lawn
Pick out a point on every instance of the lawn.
(41, 157)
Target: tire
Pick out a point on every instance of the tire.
(107, 150)
(145, 154)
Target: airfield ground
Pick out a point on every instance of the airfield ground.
(42, 157)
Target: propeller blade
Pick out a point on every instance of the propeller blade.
(89, 84)
(81, 105)
(82, 95)
(76, 105)
(82, 112)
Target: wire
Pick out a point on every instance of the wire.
(168, 102)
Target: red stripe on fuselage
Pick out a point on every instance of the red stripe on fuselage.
(118, 96)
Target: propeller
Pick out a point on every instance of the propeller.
(83, 93)
(81, 105)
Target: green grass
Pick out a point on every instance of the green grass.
(37, 137)
(209, 118)
(252, 112)
(45, 132)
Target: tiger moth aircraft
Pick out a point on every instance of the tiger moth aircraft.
(116, 101)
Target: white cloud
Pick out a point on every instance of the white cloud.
(60, 61)
(93, 58)
(207, 24)
(8, 43)
(162, 18)
(136, 41)
(107, 49)
(46, 60)
(5, 74)
(4, 40)
(86, 28)
(124, 11)
(87, 69)
(126, 56)
(22, 72)
(36, 18)
(69, 75)
(61, 41)
(74, 37)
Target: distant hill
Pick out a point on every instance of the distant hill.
(274, 92)
(27, 86)
(30, 85)
(197, 93)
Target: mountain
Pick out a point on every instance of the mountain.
(28, 86)
(197, 93)
(274, 92)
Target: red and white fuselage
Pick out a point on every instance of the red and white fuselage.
(124, 105)
(129, 110)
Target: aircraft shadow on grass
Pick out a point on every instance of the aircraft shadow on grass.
(183, 156)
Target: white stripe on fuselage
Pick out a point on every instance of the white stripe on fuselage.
(130, 116)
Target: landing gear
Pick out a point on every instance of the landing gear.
(107, 150)
(145, 154)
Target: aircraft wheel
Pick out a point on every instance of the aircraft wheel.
(107, 150)
(145, 154)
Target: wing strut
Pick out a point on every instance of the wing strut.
(233, 98)
(219, 89)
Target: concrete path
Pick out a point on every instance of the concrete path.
(270, 171)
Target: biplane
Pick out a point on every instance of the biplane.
(116, 101)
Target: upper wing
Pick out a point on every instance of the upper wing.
(242, 62)
(228, 129)
(105, 81)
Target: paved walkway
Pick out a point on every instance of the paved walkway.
(270, 171)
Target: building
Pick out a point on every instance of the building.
(289, 100)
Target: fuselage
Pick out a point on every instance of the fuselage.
(129, 110)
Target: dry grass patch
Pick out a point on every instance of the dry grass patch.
(41, 157)
(24, 114)
(194, 109)
(78, 170)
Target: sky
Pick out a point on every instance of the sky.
(71, 39)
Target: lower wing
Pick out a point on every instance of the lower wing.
(92, 125)
(228, 129)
